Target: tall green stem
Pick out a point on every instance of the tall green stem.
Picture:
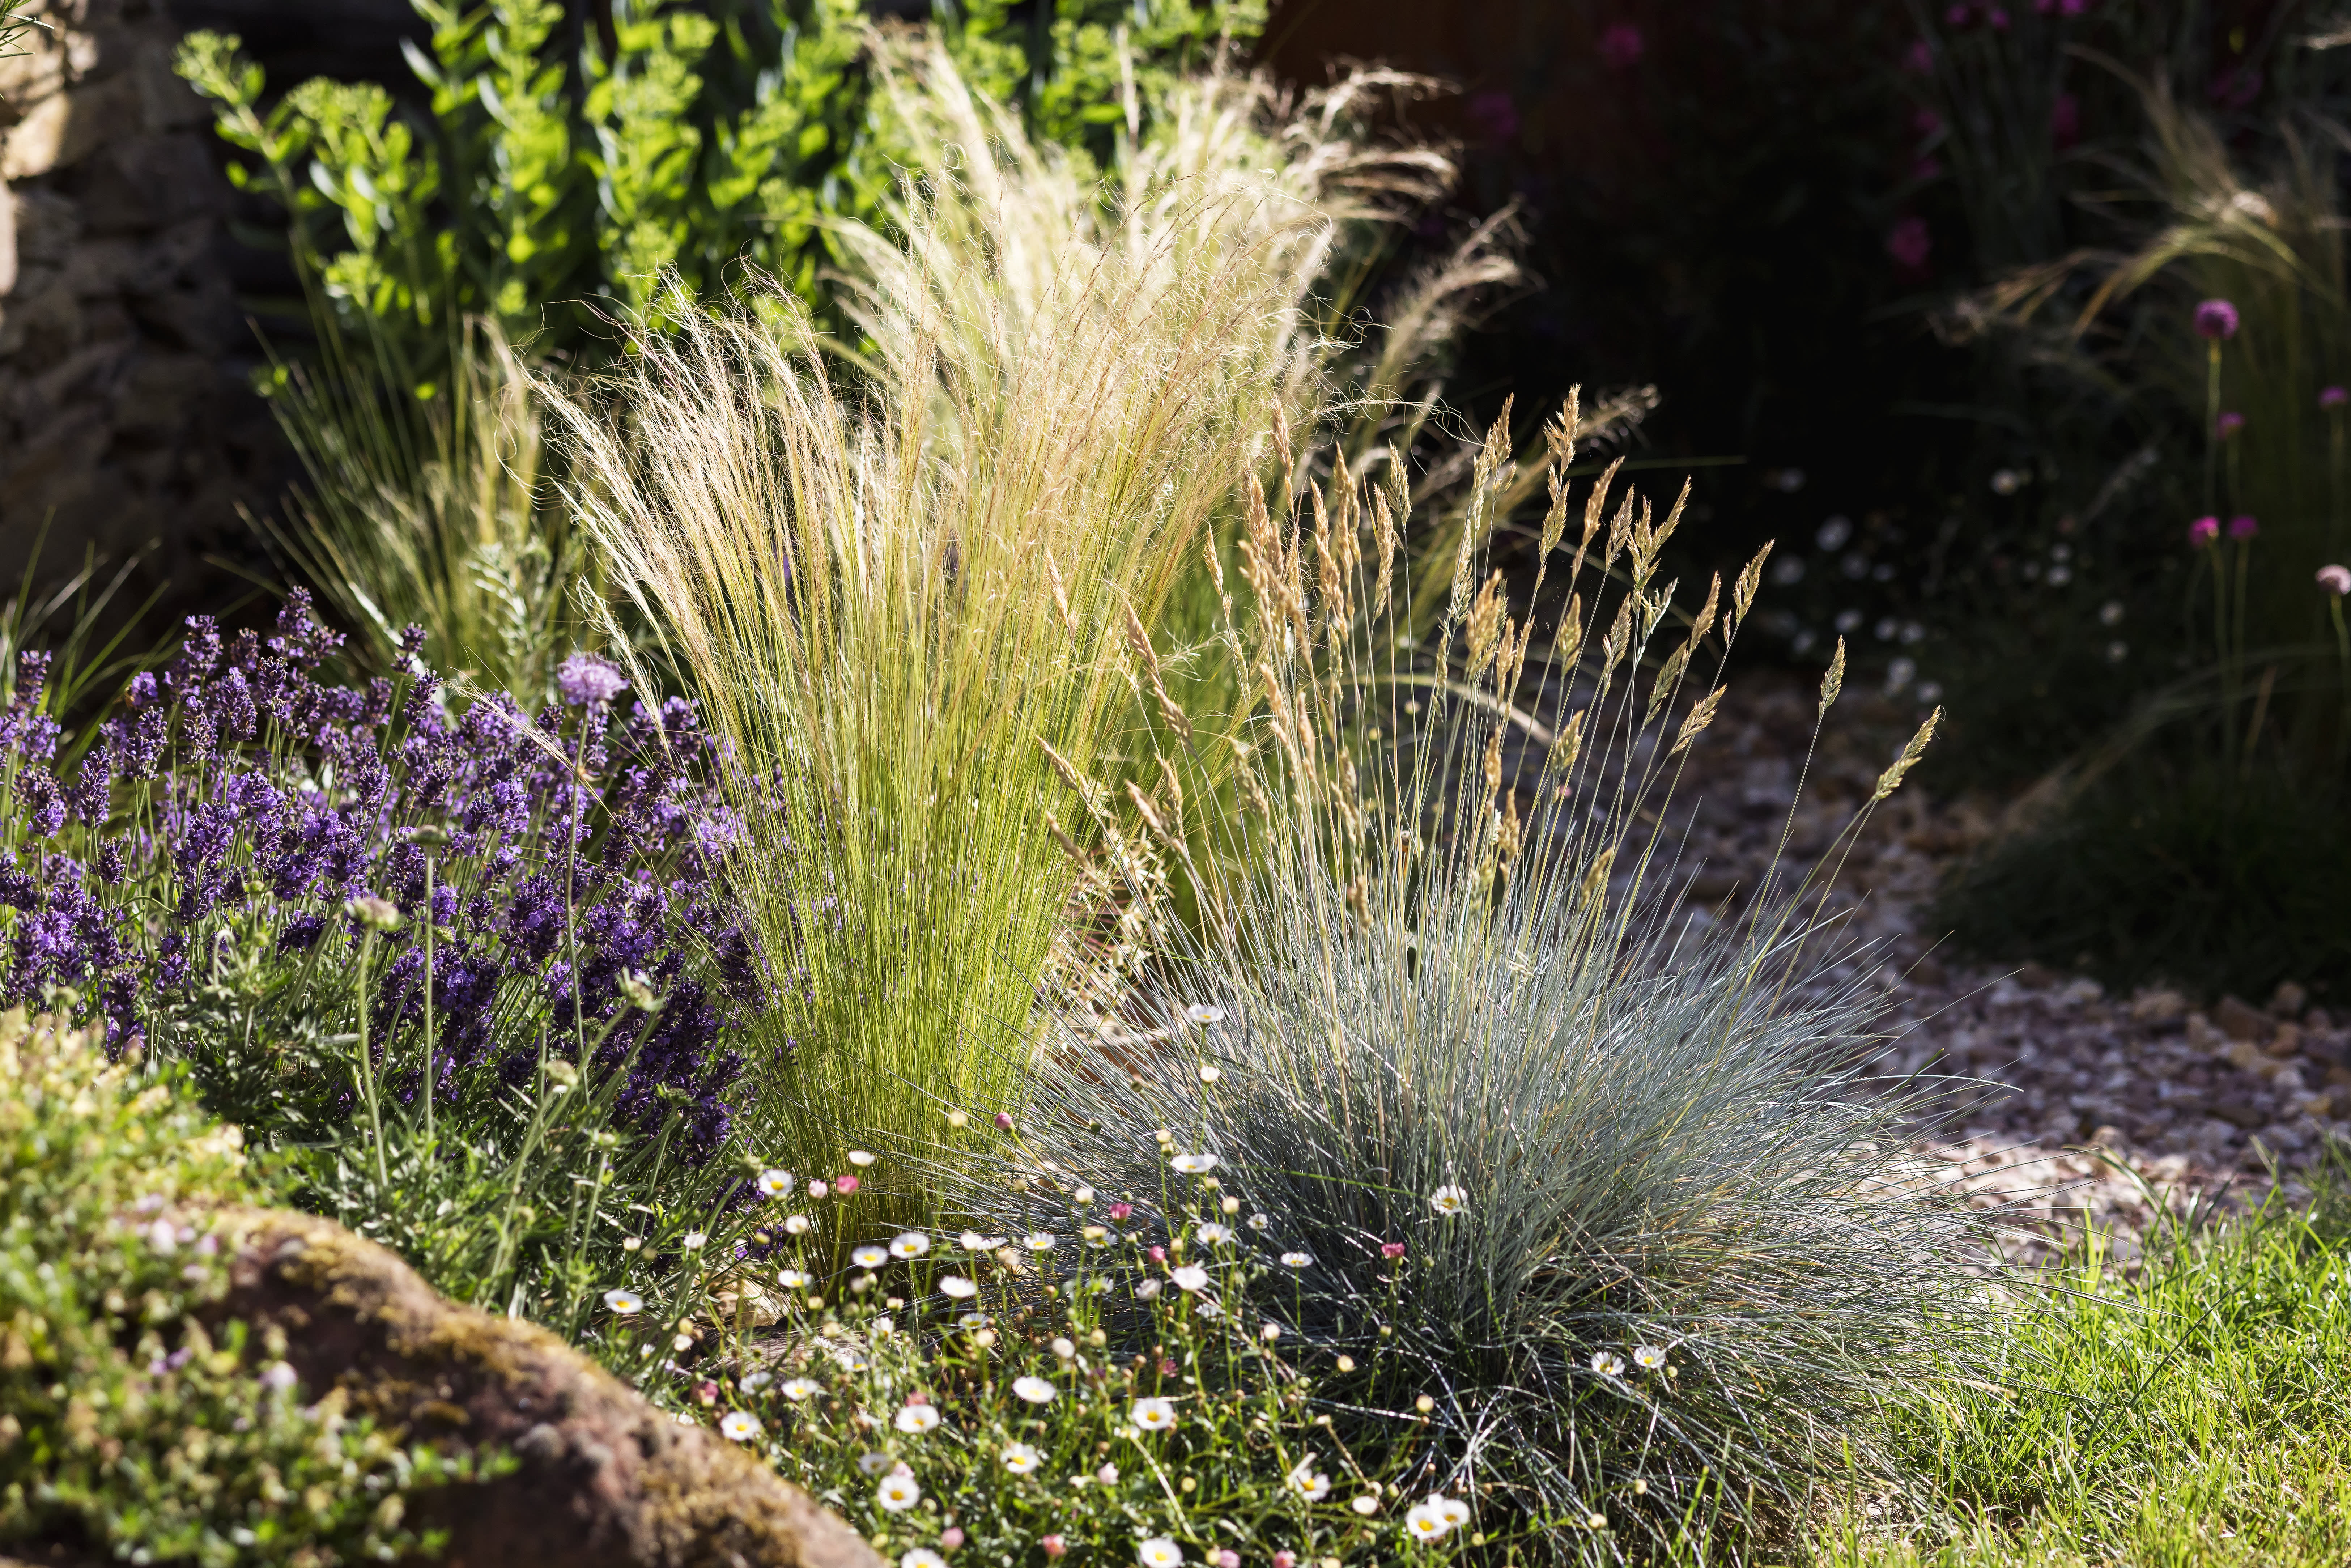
(429, 1081)
(367, 1066)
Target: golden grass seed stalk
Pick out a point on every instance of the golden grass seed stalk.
(905, 594)
(1611, 1186)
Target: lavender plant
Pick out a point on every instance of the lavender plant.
(390, 933)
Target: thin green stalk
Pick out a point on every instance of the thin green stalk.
(367, 1062)
(429, 1083)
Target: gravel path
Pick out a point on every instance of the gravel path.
(2076, 1097)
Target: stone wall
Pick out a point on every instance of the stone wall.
(125, 414)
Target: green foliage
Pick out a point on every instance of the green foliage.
(2210, 874)
(133, 1420)
(540, 192)
(2191, 1406)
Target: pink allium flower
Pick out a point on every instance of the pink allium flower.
(1495, 116)
(2242, 527)
(1119, 1211)
(1166, 1367)
(1285, 1559)
(2066, 120)
(1621, 46)
(1054, 1545)
(2216, 319)
(1004, 1120)
(2333, 397)
(2336, 580)
(2229, 423)
(1909, 243)
(844, 1185)
(2203, 531)
(951, 1537)
(1391, 1249)
(1229, 1558)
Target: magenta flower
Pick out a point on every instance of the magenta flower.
(1621, 46)
(1997, 18)
(2336, 580)
(2242, 527)
(1909, 243)
(2331, 398)
(1119, 1211)
(2216, 319)
(844, 1185)
(1004, 1120)
(2203, 531)
(1391, 1251)
(2229, 423)
(2066, 120)
(1157, 1254)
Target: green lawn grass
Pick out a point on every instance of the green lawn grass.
(2196, 1410)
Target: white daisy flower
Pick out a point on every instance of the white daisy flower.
(916, 1420)
(624, 1301)
(909, 1244)
(1203, 1014)
(693, 1241)
(1649, 1357)
(774, 1183)
(1260, 1221)
(1108, 1474)
(752, 1382)
(1038, 1240)
(1422, 1523)
(1035, 1390)
(1366, 1505)
(860, 1159)
(1449, 1199)
(1063, 1348)
(1153, 1415)
(796, 1224)
(1145, 1289)
(869, 1257)
(1269, 1333)
(1190, 1276)
(792, 1279)
(973, 1241)
(1021, 1460)
(1211, 1234)
(1455, 1512)
(973, 1321)
(873, 1464)
(955, 1285)
(897, 1493)
(1159, 1553)
(797, 1389)
(1298, 1260)
(1207, 1308)
(1082, 1197)
(1209, 1073)
(1311, 1485)
(1607, 1364)
(739, 1425)
(1195, 1165)
(921, 1557)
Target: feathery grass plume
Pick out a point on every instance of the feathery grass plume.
(1609, 1187)
(906, 596)
(430, 514)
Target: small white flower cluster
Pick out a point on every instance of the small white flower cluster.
(1647, 1357)
(1435, 1517)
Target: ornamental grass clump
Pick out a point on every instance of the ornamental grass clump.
(904, 590)
(1606, 1189)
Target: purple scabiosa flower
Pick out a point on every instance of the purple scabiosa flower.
(2216, 319)
(2243, 526)
(2333, 397)
(586, 680)
(2227, 423)
(2203, 531)
(1910, 242)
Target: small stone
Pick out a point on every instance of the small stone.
(2158, 1007)
(2241, 1020)
(2289, 999)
